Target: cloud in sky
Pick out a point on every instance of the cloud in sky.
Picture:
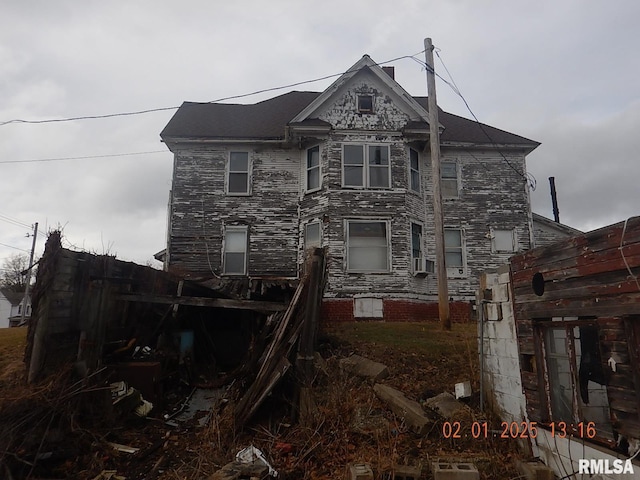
(561, 73)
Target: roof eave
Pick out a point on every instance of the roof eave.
(208, 140)
(526, 147)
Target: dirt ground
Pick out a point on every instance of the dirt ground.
(58, 429)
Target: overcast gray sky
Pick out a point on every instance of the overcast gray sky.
(564, 73)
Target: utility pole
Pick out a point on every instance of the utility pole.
(28, 285)
(434, 134)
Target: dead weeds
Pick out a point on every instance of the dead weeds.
(352, 424)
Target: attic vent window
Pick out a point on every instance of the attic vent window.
(365, 103)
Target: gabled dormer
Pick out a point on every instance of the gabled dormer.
(364, 98)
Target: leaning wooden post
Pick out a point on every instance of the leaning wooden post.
(306, 344)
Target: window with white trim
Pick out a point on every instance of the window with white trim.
(366, 166)
(368, 247)
(238, 173)
(416, 245)
(313, 168)
(414, 170)
(365, 103)
(234, 256)
(312, 235)
(454, 252)
(449, 179)
(504, 241)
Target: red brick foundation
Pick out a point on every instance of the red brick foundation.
(396, 310)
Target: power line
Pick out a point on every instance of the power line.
(528, 177)
(16, 248)
(84, 157)
(162, 109)
(14, 221)
(18, 223)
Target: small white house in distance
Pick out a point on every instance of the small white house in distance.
(11, 308)
(5, 309)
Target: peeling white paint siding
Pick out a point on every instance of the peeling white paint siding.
(200, 207)
(492, 195)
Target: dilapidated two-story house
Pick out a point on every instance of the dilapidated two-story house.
(347, 169)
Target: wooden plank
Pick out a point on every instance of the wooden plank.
(608, 283)
(256, 305)
(606, 306)
(601, 239)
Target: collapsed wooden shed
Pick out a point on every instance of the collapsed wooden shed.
(145, 326)
(577, 311)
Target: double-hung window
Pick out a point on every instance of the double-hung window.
(449, 179)
(366, 166)
(234, 258)
(312, 234)
(238, 173)
(313, 168)
(416, 247)
(367, 246)
(414, 170)
(454, 252)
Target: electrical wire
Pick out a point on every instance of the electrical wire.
(452, 84)
(84, 157)
(14, 221)
(163, 109)
(16, 248)
(531, 180)
(18, 223)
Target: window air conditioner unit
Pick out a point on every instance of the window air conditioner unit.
(422, 266)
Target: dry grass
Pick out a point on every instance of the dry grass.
(423, 361)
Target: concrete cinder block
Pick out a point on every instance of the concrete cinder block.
(503, 278)
(534, 471)
(454, 471)
(359, 471)
(500, 293)
(410, 410)
(363, 367)
(494, 311)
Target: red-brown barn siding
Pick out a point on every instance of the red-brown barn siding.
(591, 278)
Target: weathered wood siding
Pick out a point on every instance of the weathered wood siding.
(591, 276)
(201, 209)
(492, 194)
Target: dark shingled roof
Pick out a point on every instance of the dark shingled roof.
(14, 297)
(267, 120)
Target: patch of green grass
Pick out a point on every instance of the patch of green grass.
(426, 338)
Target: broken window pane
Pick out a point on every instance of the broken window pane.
(577, 380)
